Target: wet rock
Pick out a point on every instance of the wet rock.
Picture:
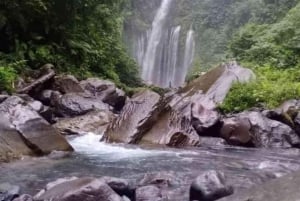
(121, 186)
(67, 84)
(36, 105)
(212, 141)
(12, 145)
(8, 192)
(236, 131)
(216, 83)
(74, 104)
(36, 132)
(82, 189)
(45, 96)
(3, 98)
(172, 125)
(24, 198)
(106, 91)
(210, 186)
(92, 122)
(149, 193)
(256, 129)
(137, 116)
(285, 188)
(159, 179)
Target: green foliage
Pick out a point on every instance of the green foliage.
(272, 87)
(81, 37)
(275, 44)
(7, 78)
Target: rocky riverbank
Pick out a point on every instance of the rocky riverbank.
(36, 119)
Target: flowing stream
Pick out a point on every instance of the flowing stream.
(243, 167)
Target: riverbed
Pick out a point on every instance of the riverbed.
(243, 167)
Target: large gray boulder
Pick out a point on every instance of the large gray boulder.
(92, 122)
(210, 186)
(106, 91)
(33, 130)
(8, 192)
(74, 104)
(67, 84)
(149, 193)
(136, 118)
(281, 189)
(173, 124)
(255, 129)
(215, 84)
(78, 189)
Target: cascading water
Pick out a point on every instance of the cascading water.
(188, 55)
(157, 51)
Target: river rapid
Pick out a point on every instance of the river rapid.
(243, 167)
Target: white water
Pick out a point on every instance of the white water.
(158, 53)
(188, 55)
(154, 40)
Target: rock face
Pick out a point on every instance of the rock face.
(67, 84)
(134, 120)
(92, 122)
(216, 83)
(83, 189)
(25, 132)
(74, 104)
(173, 126)
(281, 189)
(105, 91)
(149, 193)
(210, 186)
(254, 128)
(8, 192)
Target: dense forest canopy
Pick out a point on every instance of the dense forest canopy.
(82, 37)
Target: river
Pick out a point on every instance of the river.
(243, 167)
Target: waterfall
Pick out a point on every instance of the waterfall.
(154, 40)
(157, 51)
(188, 55)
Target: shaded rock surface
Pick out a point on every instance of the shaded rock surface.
(26, 132)
(74, 104)
(256, 129)
(8, 192)
(67, 84)
(281, 189)
(106, 91)
(135, 118)
(94, 122)
(149, 193)
(215, 84)
(82, 189)
(210, 186)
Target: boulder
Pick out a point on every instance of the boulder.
(74, 104)
(282, 189)
(3, 97)
(45, 96)
(255, 129)
(67, 84)
(24, 198)
(92, 122)
(137, 116)
(12, 145)
(121, 186)
(210, 186)
(216, 83)
(159, 179)
(8, 192)
(78, 189)
(171, 128)
(36, 132)
(148, 193)
(106, 91)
